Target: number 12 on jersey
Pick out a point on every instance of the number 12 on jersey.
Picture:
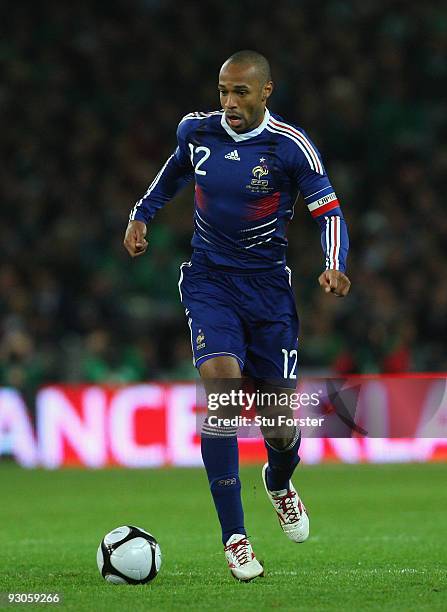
(206, 153)
(290, 359)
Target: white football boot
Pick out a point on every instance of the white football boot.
(241, 559)
(292, 514)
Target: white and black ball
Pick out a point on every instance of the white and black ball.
(129, 555)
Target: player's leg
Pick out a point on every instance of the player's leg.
(282, 443)
(218, 345)
(272, 359)
(282, 439)
(219, 448)
(220, 455)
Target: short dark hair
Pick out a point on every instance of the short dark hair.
(253, 58)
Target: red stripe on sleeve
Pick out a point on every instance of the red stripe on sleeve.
(334, 240)
(324, 209)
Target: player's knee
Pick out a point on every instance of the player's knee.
(223, 366)
(283, 438)
(279, 443)
(279, 436)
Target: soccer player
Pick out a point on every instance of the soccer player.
(249, 166)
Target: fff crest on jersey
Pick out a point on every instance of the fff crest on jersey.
(260, 171)
(200, 340)
(259, 184)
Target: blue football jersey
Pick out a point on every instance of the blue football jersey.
(246, 186)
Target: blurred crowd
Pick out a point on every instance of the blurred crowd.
(89, 102)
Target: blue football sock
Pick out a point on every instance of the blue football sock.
(282, 463)
(220, 456)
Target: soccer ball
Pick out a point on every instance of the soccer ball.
(128, 555)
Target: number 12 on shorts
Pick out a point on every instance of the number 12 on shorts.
(290, 359)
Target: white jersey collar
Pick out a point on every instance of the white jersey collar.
(246, 135)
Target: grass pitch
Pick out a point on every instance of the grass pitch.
(378, 539)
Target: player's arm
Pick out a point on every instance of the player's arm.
(334, 241)
(175, 174)
(324, 207)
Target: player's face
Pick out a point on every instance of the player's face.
(243, 96)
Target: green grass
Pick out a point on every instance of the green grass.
(378, 539)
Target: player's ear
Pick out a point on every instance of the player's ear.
(267, 90)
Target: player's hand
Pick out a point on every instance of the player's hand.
(334, 281)
(134, 240)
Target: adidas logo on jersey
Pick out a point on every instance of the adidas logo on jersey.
(233, 155)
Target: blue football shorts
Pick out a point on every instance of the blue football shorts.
(251, 317)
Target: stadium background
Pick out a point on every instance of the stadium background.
(90, 99)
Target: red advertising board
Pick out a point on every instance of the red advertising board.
(155, 424)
